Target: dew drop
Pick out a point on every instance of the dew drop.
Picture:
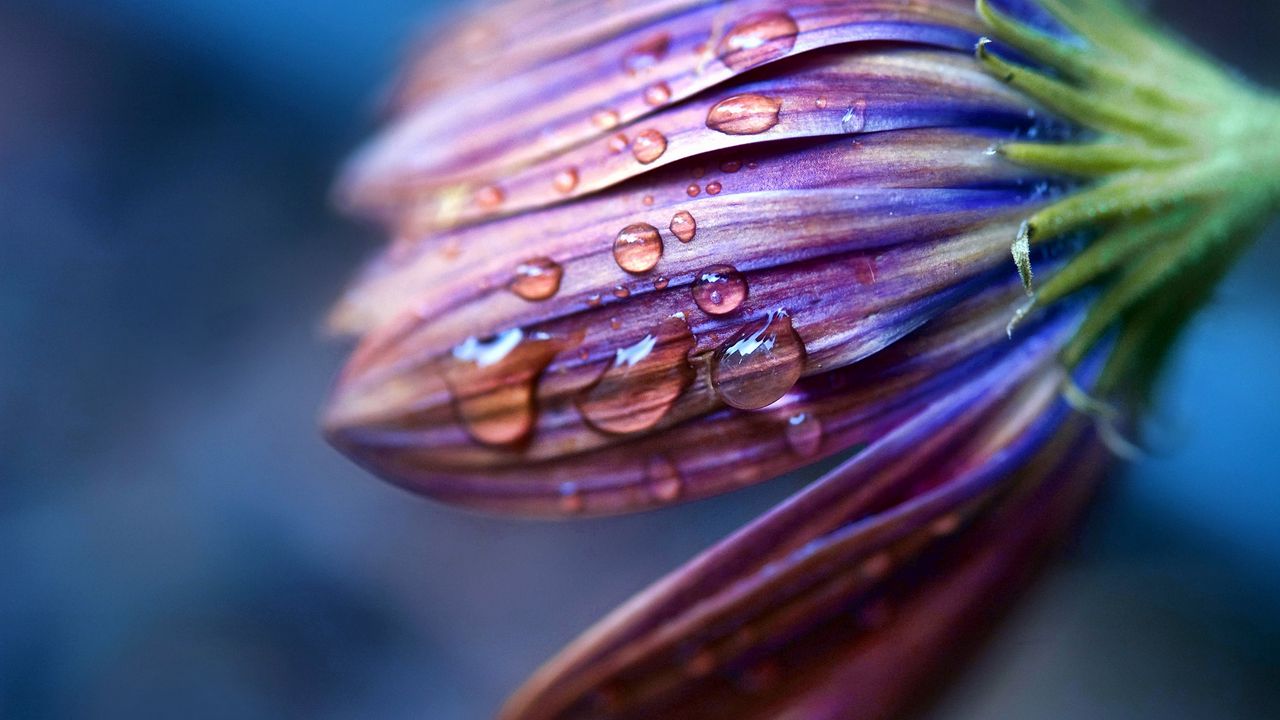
(714, 187)
(657, 94)
(537, 279)
(660, 283)
(647, 53)
(643, 382)
(855, 118)
(637, 248)
(821, 102)
(615, 324)
(759, 364)
(492, 383)
(571, 500)
(617, 143)
(692, 190)
(748, 114)
(757, 39)
(663, 479)
(730, 166)
(683, 226)
(566, 180)
(489, 197)
(804, 434)
(606, 119)
(649, 146)
(594, 301)
(719, 289)
(621, 291)
(647, 200)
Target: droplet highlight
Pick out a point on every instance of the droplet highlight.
(537, 279)
(759, 364)
(637, 248)
(492, 383)
(643, 382)
(748, 114)
(719, 289)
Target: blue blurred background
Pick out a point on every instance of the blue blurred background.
(176, 540)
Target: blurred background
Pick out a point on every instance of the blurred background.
(177, 541)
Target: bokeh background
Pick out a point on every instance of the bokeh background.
(176, 540)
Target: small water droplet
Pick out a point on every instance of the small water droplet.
(489, 197)
(719, 289)
(492, 383)
(748, 114)
(804, 434)
(646, 53)
(759, 364)
(618, 143)
(660, 283)
(566, 180)
(571, 501)
(730, 166)
(647, 200)
(698, 172)
(537, 279)
(649, 146)
(855, 118)
(692, 190)
(759, 38)
(606, 119)
(637, 248)
(821, 102)
(657, 93)
(594, 301)
(714, 187)
(683, 226)
(663, 479)
(615, 324)
(643, 382)
(621, 291)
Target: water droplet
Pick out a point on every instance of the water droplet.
(757, 39)
(855, 118)
(643, 382)
(692, 190)
(759, 364)
(615, 324)
(647, 200)
(730, 166)
(821, 102)
(571, 501)
(492, 383)
(606, 119)
(621, 291)
(537, 279)
(713, 187)
(566, 180)
(617, 143)
(657, 93)
(594, 301)
(719, 289)
(683, 226)
(698, 172)
(637, 248)
(663, 479)
(489, 197)
(660, 283)
(647, 53)
(804, 434)
(649, 146)
(748, 114)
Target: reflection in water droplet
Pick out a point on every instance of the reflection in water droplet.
(744, 114)
(855, 118)
(663, 479)
(643, 382)
(594, 301)
(683, 226)
(489, 197)
(759, 364)
(647, 53)
(637, 248)
(571, 501)
(492, 383)
(804, 434)
(757, 39)
(660, 283)
(566, 180)
(713, 187)
(606, 119)
(537, 279)
(649, 146)
(618, 143)
(719, 289)
(657, 93)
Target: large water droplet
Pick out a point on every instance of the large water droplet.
(748, 114)
(649, 146)
(637, 248)
(804, 434)
(757, 39)
(719, 289)
(683, 226)
(663, 479)
(492, 383)
(647, 53)
(759, 364)
(644, 381)
(537, 279)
